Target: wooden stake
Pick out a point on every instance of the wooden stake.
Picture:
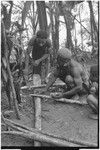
(37, 116)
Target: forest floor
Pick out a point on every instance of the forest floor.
(61, 119)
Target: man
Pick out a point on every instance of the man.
(39, 45)
(68, 70)
(92, 98)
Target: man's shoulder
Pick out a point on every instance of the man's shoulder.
(31, 41)
(75, 63)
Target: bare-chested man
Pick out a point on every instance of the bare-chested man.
(70, 72)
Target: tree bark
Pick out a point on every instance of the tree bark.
(94, 30)
(41, 9)
(37, 115)
(69, 43)
(7, 15)
(42, 15)
(9, 74)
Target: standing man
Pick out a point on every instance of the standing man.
(39, 45)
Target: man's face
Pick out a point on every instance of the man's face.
(40, 41)
(61, 61)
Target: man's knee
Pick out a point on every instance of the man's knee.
(69, 79)
(91, 99)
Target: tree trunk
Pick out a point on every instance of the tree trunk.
(9, 72)
(94, 30)
(42, 15)
(7, 15)
(69, 43)
(54, 17)
(43, 26)
(37, 115)
(81, 29)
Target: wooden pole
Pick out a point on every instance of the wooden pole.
(40, 86)
(23, 128)
(37, 117)
(64, 100)
(37, 109)
(41, 138)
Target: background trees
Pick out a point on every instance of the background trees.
(73, 24)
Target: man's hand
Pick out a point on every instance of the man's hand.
(56, 95)
(36, 63)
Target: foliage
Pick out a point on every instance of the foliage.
(22, 23)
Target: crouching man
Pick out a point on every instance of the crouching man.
(70, 72)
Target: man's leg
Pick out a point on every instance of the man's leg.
(93, 103)
(70, 84)
(37, 74)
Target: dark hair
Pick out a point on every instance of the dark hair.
(42, 34)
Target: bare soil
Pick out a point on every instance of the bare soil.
(64, 120)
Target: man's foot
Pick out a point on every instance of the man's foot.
(93, 116)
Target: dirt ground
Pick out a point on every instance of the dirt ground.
(64, 120)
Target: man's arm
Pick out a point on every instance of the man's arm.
(78, 85)
(29, 49)
(52, 79)
(47, 51)
(45, 56)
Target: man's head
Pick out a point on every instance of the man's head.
(64, 55)
(69, 81)
(41, 37)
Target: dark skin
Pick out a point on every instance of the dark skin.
(36, 62)
(92, 98)
(76, 71)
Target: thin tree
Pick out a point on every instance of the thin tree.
(94, 30)
(42, 17)
(9, 75)
(66, 14)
